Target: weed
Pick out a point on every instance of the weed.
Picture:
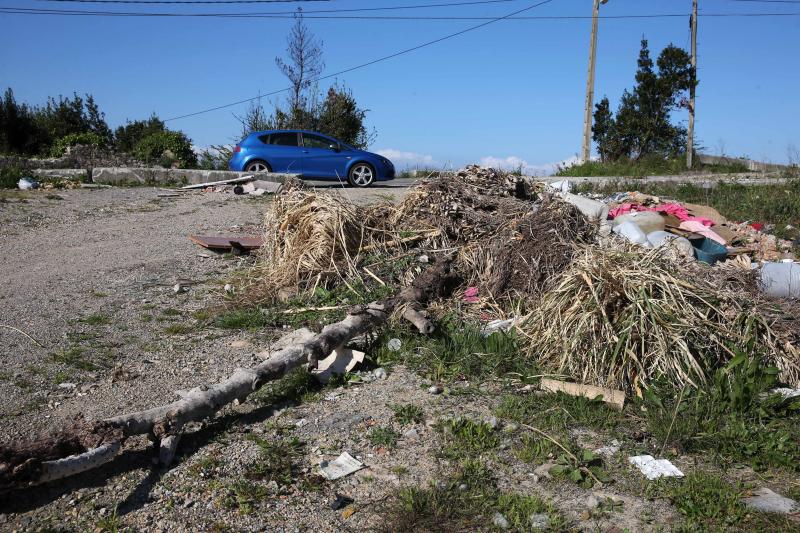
(464, 437)
(457, 351)
(465, 502)
(110, 524)
(296, 386)
(252, 318)
(98, 294)
(171, 312)
(583, 468)
(383, 436)
(206, 467)
(243, 495)
(558, 412)
(74, 357)
(97, 319)
(277, 460)
(408, 414)
(144, 317)
(648, 166)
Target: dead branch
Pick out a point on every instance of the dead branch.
(87, 445)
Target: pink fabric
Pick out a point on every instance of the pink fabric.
(675, 209)
(471, 295)
(698, 227)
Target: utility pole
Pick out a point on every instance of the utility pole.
(690, 136)
(587, 118)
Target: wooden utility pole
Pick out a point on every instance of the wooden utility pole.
(587, 118)
(690, 135)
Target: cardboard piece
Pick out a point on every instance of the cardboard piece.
(342, 466)
(614, 398)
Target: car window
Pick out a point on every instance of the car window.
(264, 139)
(315, 141)
(283, 139)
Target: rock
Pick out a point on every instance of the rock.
(229, 289)
(241, 344)
(178, 288)
(394, 345)
(423, 258)
(539, 521)
(500, 521)
(543, 471)
(492, 422)
(380, 373)
(592, 502)
(67, 386)
(435, 389)
(767, 501)
(340, 501)
(411, 434)
(463, 487)
(511, 427)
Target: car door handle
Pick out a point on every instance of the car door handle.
(305, 151)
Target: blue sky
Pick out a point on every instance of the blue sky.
(510, 93)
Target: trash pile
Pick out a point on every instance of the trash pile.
(614, 293)
(246, 185)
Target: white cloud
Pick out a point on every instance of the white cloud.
(407, 159)
(513, 163)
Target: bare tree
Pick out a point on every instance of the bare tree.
(304, 63)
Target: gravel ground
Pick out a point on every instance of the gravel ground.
(89, 275)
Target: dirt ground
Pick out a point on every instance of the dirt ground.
(89, 275)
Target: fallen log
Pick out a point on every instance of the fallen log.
(88, 445)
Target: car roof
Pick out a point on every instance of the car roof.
(288, 131)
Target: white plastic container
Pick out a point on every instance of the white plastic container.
(781, 279)
(649, 221)
(633, 233)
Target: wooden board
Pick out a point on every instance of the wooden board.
(613, 397)
(226, 242)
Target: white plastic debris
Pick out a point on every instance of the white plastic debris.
(498, 325)
(786, 392)
(767, 501)
(27, 183)
(654, 468)
(342, 360)
(562, 186)
(395, 344)
(633, 233)
(342, 466)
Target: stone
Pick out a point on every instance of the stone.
(380, 373)
(69, 386)
(539, 521)
(592, 502)
(543, 471)
(411, 434)
(765, 500)
(435, 389)
(492, 422)
(500, 521)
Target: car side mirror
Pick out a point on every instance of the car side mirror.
(334, 147)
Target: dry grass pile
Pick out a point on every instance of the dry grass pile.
(314, 238)
(626, 318)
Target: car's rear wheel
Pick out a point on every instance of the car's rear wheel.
(361, 175)
(257, 166)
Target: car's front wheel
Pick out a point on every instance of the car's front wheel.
(361, 175)
(257, 166)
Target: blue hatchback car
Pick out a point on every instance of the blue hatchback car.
(314, 155)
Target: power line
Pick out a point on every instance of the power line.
(768, 1)
(293, 13)
(168, 2)
(290, 15)
(369, 63)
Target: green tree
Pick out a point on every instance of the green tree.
(18, 132)
(642, 125)
(166, 148)
(128, 136)
(341, 117)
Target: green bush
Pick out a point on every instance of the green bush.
(9, 176)
(85, 138)
(165, 148)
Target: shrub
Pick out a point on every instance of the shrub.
(85, 138)
(165, 148)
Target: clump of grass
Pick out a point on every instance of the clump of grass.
(384, 436)
(277, 459)
(466, 501)
(731, 418)
(74, 357)
(244, 495)
(296, 386)
(464, 437)
(408, 414)
(457, 350)
(647, 166)
(205, 467)
(97, 319)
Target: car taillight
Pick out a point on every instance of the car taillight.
(237, 149)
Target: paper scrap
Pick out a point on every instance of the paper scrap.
(654, 468)
(342, 466)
